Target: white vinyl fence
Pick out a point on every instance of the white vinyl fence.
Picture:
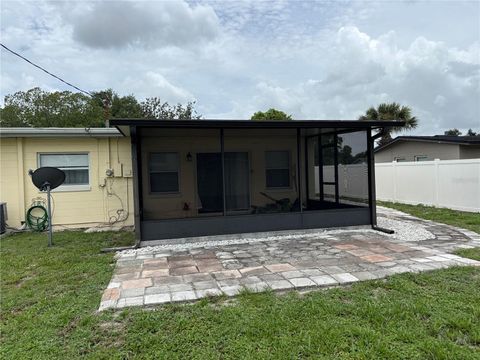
(352, 181)
(453, 184)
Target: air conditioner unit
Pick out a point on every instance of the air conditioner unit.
(3, 217)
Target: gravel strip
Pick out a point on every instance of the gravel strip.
(213, 243)
(405, 231)
(408, 231)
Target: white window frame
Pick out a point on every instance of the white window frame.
(66, 188)
(287, 168)
(161, 193)
(416, 157)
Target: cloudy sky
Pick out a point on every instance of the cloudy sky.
(312, 59)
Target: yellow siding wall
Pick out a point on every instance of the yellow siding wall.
(89, 207)
(11, 182)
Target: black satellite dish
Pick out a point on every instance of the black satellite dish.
(46, 179)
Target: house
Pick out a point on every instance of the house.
(184, 178)
(424, 148)
(98, 168)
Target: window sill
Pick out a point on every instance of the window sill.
(71, 188)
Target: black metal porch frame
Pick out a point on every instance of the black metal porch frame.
(249, 223)
(372, 199)
(320, 148)
(135, 127)
(341, 125)
(137, 182)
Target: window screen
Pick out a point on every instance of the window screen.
(163, 168)
(421, 158)
(75, 166)
(277, 169)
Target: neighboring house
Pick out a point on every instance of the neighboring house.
(424, 148)
(182, 178)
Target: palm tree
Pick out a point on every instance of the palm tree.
(391, 111)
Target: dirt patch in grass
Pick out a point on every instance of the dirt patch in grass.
(23, 280)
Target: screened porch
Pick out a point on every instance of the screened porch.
(197, 178)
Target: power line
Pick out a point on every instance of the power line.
(46, 71)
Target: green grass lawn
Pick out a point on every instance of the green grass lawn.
(50, 296)
(469, 253)
(463, 219)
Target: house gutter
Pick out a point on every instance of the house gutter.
(59, 132)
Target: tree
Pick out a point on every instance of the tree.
(116, 106)
(271, 114)
(390, 112)
(345, 154)
(10, 117)
(453, 132)
(39, 108)
(472, 133)
(154, 108)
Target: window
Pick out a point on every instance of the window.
(277, 169)
(163, 171)
(399, 159)
(421, 157)
(75, 167)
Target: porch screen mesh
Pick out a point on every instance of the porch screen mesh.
(353, 168)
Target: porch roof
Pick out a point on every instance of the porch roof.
(123, 125)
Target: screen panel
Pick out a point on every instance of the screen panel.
(353, 168)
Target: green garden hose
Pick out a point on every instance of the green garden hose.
(37, 222)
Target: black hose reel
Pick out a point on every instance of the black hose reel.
(45, 179)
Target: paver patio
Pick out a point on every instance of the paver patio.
(301, 260)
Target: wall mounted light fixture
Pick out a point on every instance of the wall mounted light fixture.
(189, 156)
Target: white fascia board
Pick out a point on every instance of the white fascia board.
(58, 132)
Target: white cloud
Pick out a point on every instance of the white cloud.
(440, 100)
(117, 24)
(155, 83)
(360, 71)
(314, 60)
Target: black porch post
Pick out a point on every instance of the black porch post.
(137, 182)
(335, 157)
(299, 180)
(222, 150)
(372, 202)
(320, 167)
(307, 180)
